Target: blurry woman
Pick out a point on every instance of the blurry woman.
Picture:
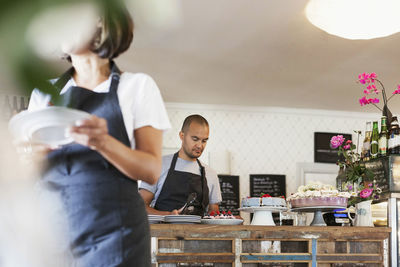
(96, 177)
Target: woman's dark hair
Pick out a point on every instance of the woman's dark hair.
(116, 32)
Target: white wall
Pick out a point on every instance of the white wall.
(262, 140)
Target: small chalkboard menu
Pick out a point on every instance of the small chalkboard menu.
(322, 150)
(380, 168)
(230, 193)
(272, 184)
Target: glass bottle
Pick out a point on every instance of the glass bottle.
(340, 179)
(366, 148)
(6, 109)
(21, 104)
(383, 138)
(374, 140)
(394, 142)
(15, 105)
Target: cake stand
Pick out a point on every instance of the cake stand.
(262, 215)
(318, 220)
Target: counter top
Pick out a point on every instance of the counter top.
(260, 232)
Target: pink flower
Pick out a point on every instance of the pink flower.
(396, 92)
(363, 101)
(366, 192)
(337, 141)
(346, 147)
(369, 185)
(373, 100)
(348, 142)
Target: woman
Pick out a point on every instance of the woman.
(96, 177)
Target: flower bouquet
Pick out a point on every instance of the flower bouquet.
(349, 158)
(357, 177)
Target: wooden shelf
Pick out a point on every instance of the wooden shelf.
(246, 245)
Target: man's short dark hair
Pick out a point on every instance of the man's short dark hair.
(193, 118)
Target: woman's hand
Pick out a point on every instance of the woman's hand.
(92, 132)
(31, 152)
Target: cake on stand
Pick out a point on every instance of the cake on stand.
(318, 219)
(263, 215)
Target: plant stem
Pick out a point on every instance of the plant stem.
(377, 107)
(383, 92)
(390, 97)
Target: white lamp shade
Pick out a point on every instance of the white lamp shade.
(355, 19)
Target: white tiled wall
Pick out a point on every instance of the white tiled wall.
(261, 139)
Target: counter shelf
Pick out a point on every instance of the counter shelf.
(253, 245)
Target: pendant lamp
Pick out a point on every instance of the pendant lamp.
(355, 19)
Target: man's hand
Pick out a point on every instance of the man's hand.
(177, 212)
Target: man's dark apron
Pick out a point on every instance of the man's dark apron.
(106, 216)
(179, 185)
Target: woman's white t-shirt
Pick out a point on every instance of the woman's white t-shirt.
(139, 98)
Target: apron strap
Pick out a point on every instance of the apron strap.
(173, 163)
(66, 76)
(205, 201)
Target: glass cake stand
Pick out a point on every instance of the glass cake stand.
(262, 215)
(318, 219)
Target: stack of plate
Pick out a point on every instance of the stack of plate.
(182, 219)
(155, 218)
(46, 126)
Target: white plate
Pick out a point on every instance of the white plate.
(263, 208)
(45, 126)
(222, 221)
(182, 219)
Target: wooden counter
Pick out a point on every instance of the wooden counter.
(248, 245)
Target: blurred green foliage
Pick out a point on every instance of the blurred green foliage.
(29, 70)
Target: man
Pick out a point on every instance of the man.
(184, 177)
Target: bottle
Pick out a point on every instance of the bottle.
(366, 149)
(394, 142)
(6, 109)
(340, 179)
(15, 105)
(374, 140)
(383, 138)
(21, 104)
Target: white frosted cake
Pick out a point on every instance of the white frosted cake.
(318, 194)
(264, 201)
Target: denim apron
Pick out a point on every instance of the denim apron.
(106, 216)
(179, 185)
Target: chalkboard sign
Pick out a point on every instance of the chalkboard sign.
(380, 168)
(230, 193)
(272, 184)
(322, 150)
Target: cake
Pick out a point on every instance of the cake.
(219, 215)
(264, 201)
(318, 194)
